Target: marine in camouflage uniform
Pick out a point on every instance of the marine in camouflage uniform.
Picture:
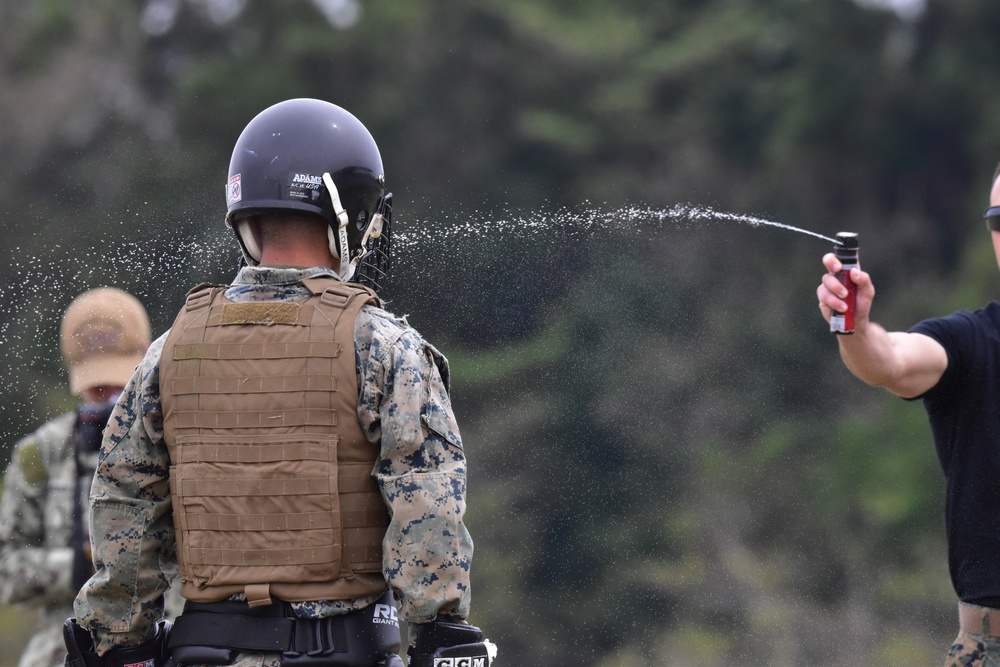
(44, 545)
(403, 410)
(36, 528)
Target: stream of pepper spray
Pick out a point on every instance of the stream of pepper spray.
(845, 247)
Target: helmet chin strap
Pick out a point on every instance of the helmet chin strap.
(346, 265)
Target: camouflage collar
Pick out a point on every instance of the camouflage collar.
(271, 275)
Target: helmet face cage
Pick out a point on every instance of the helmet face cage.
(375, 261)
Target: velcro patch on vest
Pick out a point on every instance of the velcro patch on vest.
(260, 312)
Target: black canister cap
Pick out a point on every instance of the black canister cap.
(847, 246)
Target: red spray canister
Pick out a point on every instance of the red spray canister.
(846, 251)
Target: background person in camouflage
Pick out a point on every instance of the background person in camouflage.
(44, 544)
(293, 240)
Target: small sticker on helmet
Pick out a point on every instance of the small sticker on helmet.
(234, 192)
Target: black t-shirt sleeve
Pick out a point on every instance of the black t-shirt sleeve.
(955, 333)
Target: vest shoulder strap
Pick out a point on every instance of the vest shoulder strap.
(201, 295)
(338, 293)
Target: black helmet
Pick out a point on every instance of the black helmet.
(314, 157)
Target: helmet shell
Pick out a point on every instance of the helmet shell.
(280, 158)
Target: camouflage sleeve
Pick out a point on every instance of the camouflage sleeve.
(30, 570)
(131, 529)
(404, 404)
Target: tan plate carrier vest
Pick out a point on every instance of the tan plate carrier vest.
(270, 474)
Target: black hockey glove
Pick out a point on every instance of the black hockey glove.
(81, 652)
(442, 644)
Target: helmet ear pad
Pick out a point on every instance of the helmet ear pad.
(249, 237)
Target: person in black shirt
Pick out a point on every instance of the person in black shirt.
(952, 363)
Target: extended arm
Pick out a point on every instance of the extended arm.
(907, 364)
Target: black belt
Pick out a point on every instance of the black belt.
(287, 635)
(275, 628)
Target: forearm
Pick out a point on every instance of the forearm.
(869, 354)
(122, 602)
(428, 550)
(906, 364)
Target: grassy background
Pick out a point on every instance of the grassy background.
(16, 626)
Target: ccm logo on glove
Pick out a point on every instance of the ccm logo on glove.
(459, 662)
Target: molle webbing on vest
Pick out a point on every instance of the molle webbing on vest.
(270, 472)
